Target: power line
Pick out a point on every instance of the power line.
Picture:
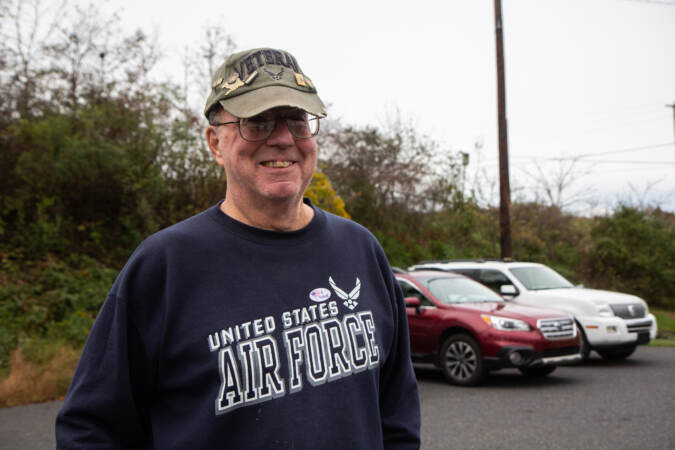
(608, 161)
(626, 150)
(596, 161)
(658, 2)
(626, 169)
(610, 152)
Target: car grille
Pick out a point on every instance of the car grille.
(635, 327)
(554, 329)
(564, 351)
(630, 311)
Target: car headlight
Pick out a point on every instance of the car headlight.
(604, 310)
(505, 324)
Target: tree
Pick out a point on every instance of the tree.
(97, 157)
(554, 185)
(390, 181)
(633, 251)
(384, 174)
(201, 63)
(25, 26)
(321, 193)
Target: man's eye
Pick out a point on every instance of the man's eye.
(259, 123)
(297, 117)
(295, 121)
(258, 120)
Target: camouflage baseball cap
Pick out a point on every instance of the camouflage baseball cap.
(254, 81)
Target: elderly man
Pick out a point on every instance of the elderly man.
(263, 322)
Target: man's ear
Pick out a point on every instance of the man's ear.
(212, 140)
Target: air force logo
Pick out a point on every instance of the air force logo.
(349, 299)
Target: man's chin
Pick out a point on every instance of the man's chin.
(283, 192)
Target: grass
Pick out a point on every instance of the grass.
(666, 322)
(665, 319)
(663, 342)
(34, 382)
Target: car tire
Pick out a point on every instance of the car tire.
(617, 354)
(540, 371)
(585, 347)
(461, 360)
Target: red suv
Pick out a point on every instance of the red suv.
(467, 330)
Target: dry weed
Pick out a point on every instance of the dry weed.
(29, 382)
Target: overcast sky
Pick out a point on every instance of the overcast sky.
(583, 77)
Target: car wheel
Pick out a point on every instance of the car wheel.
(540, 371)
(462, 360)
(617, 354)
(585, 348)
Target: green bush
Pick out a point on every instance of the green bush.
(51, 298)
(8, 342)
(633, 251)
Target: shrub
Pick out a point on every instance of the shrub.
(633, 251)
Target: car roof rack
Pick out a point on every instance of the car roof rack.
(477, 260)
(398, 270)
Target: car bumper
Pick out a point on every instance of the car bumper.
(614, 331)
(519, 349)
(525, 356)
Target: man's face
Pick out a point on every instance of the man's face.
(279, 168)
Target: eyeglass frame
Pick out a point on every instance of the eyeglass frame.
(276, 119)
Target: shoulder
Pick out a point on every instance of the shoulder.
(167, 251)
(341, 225)
(355, 236)
(188, 231)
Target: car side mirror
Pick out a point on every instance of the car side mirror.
(508, 289)
(413, 302)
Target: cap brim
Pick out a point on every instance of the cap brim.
(260, 100)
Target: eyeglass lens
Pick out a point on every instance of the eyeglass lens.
(260, 128)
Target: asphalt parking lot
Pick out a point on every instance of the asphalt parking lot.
(601, 405)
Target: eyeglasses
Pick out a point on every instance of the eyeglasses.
(259, 128)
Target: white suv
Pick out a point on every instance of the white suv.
(613, 324)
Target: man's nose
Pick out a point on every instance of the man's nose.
(281, 135)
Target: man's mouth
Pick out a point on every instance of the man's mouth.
(277, 164)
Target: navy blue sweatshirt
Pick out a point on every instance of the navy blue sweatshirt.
(219, 335)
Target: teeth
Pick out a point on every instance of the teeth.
(277, 164)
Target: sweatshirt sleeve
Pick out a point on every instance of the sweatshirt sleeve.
(106, 404)
(399, 396)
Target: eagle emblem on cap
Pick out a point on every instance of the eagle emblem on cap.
(275, 76)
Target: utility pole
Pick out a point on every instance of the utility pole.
(673, 108)
(504, 188)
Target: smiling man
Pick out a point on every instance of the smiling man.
(263, 322)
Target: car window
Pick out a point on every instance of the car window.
(471, 273)
(537, 278)
(460, 290)
(493, 279)
(411, 291)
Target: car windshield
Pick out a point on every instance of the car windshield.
(460, 290)
(538, 278)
